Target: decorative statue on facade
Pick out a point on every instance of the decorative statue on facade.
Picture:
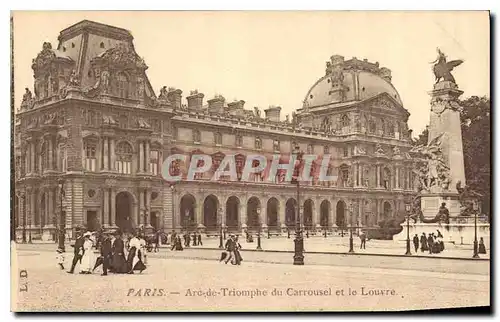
(163, 94)
(442, 69)
(256, 112)
(140, 87)
(73, 79)
(108, 120)
(28, 100)
(396, 151)
(359, 150)
(287, 118)
(104, 81)
(142, 124)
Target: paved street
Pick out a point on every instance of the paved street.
(408, 283)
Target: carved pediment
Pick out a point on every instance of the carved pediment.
(121, 57)
(385, 102)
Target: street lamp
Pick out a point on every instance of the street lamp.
(408, 208)
(475, 255)
(221, 242)
(61, 219)
(351, 243)
(258, 232)
(23, 202)
(298, 257)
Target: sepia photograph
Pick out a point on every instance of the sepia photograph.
(250, 161)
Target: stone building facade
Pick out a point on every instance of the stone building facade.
(95, 128)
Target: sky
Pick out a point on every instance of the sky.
(273, 58)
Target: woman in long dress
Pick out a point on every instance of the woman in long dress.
(118, 263)
(88, 259)
(134, 260)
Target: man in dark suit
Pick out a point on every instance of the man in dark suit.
(415, 242)
(78, 251)
(106, 254)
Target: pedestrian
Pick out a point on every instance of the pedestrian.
(415, 242)
(87, 261)
(430, 243)
(188, 239)
(199, 240)
(195, 240)
(60, 258)
(118, 262)
(78, 251)
(482, 247)
(423, 243)
(229, 247)
(362, 237)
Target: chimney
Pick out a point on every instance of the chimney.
(216, 104)
(236, 105)
(175, 96)
(195, 100)
(273, 113)
(385, 73)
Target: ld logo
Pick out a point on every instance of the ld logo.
(23, 281)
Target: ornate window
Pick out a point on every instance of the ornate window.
(239, 141)
(344, 175)
(258, 143)
(154, 159)
(326, 149)
(123, 162)
(122, 85)
(276, 145)
(372, 126)
(390, 129)
(90, 148)
(345, 151)
(90, 118)
(196, 136)
(310, 149)
(344, 120)
(218, 138)
(123, 123)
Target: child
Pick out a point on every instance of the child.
(60, 258)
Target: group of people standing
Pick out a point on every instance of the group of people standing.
(176, 240)
(118, 254)
(432, 243)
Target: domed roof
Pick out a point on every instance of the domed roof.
(350, 81)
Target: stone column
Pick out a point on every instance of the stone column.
(51, 153)
(243, 214)
(146, 157)
(199, 215)
(141, 156)
(282, 214)
(148, 206)
(263, 216)
(50, 207)
(99, 155)
(32, 156)
(27, 160)
(113, 207)
(397, 177)
(141, 207)
(113, 154)
(105, 154)
(105, 211)
(33, 207)
(316, 217)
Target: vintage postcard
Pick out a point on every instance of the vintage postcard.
(250, 161)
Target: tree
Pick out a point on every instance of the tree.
(476, 134)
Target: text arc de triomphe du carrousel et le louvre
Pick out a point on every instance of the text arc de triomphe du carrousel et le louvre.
(92, 137)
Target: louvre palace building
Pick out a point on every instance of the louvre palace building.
(91, 136)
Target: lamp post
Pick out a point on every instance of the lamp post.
(476, 254)
(258, 232)
(408, 249)
(351, 242)
(298, 257)
(221, 242)
(61, 219)
(23, 202)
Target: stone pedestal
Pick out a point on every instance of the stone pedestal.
(431, 202)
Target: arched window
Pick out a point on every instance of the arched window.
(218, 138)
(258, 143)
(196, 136)
(123, 162)
(90, 148)
(122, 85)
